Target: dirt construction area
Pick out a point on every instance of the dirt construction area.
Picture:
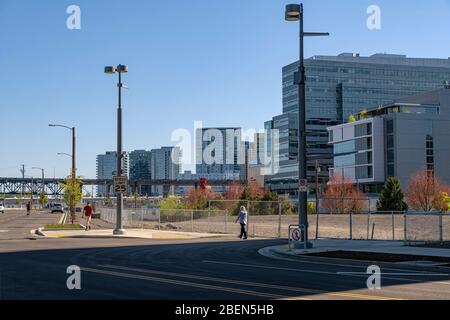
(337, 226)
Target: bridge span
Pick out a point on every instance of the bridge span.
(55, 186)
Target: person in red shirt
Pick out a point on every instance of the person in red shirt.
(87, 212)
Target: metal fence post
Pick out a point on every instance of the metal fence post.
(393, 226)
(351, 226)
(226, 227)
(192, 220)
(209, 216)
(441, 234)
(142, 215)
(368, 224)
(279, 219)
(159, 220)
(405, 233)
(248, 219)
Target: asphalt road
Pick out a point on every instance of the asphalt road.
(36, 268)
(195, 269)
(16, 225)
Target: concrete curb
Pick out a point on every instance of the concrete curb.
(39, 232)
(276, 252)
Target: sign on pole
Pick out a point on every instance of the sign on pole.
(120, 184)
(303, 185)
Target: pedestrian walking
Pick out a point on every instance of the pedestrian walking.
(28, 208)
(87, 212)
(242, 219)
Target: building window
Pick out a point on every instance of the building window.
(430, 155)
(390, 127)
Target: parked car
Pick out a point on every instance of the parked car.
(2, 208)
(57, 208)
(77, 209)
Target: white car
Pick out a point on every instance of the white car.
(2, 208)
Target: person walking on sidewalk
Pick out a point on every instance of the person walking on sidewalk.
(242, 219)
(28, 208)
(87, 212)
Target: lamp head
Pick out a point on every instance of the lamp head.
(110, 70)
(293, 12)
(122, 68)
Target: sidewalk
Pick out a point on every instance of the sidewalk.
(389, 247)
(131, 233)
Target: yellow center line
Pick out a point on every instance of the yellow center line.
(185, 283)
(253, 284)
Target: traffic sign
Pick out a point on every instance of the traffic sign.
(296, 235)
(303, 185)
(120, 184)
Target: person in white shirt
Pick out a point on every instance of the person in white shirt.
(242, 218)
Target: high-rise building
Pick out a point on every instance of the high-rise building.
(106, 169)
(165, 164)
(336, 88)
(140, 169)
(220, 151)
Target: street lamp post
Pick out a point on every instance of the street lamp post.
(74, 168)
(43, 184)
(119, 172)
(294, 12)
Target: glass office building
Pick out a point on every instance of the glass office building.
(336, 88)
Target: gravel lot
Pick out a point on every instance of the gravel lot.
(382, 226)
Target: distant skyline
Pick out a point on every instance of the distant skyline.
(218, 62)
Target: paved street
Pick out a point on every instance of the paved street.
(195, 269)
(15, 224)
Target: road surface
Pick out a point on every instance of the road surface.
(195, 269)
(16, 225)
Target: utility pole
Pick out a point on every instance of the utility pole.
(22, 189)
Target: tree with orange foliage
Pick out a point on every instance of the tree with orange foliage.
(234, 191)
(198, 199)
(341, 196)
(253, 191)
(425, 191)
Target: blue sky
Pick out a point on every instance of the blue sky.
(214, 61)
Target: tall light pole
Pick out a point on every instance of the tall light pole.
(43, 184)
(294, 12)
(119, 172)
(74, 168)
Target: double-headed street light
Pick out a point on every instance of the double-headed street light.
(119, 172)
(294, 12)
(74, 168)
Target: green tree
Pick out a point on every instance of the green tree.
(44, 200)
(392, 197)
(171, 202)
(72, 193)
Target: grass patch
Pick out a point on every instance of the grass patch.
(62, 226)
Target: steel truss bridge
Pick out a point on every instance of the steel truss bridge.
(16, 186)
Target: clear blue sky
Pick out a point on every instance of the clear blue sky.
(215, 61)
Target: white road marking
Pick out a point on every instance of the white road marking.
(255, 284)
(362, 275)
(188, 284)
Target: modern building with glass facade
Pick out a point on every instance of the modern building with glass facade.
(106, 168)
(220, 151)
(140, 162)
(336, 88)
(165, 164)
(395, 140)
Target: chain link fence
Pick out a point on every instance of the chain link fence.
(271, 219)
